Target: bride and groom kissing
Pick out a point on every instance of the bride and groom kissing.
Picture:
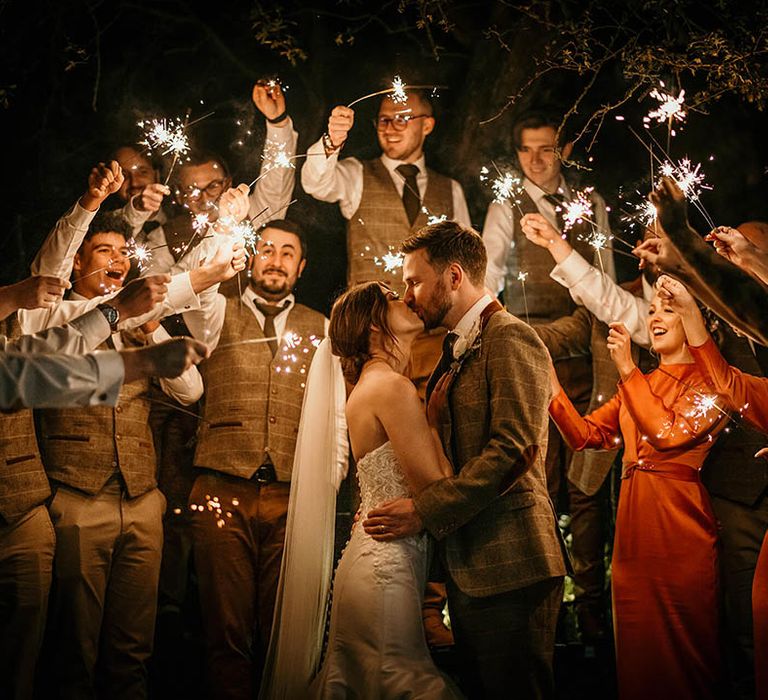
(468, 474)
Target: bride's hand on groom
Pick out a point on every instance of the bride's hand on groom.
(438, 400)
(393, 520)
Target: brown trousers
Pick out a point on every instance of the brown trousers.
(26, 561)
(238, 567)
(107, 566)
(506, 642)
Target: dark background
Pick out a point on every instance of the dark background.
(76, 76)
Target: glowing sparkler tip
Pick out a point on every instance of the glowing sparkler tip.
(398, 94)
(577, 209)
(522, 276)
(391, 261)
(670, 108)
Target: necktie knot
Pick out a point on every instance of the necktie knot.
(408, 170)
(448, 342)
(269, 309)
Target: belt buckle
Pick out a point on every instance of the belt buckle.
(264, 475)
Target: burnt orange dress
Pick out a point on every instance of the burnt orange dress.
(664, 571)
(749, 396)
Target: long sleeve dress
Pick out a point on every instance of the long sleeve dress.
(749, 396)
(664, 571)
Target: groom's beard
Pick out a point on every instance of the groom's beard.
(435, 308)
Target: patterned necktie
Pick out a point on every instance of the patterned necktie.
(411, 199)
(445, 362)
(556, 200)
(270, 311)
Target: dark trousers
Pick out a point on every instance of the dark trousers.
(506, 642)
(590, 530)
(238, 553)
(742, 529)
(26, 560)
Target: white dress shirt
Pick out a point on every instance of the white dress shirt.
(58, 250)
(60, 381)
(498, 231)
(82, 335)
(332, 180)
(186, 388)
(601, 295)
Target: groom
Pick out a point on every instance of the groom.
(493, 520)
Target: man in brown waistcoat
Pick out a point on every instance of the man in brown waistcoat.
(385, 200)
(263, 346)
(106, 508)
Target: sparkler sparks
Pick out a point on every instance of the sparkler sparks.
(200, 222)
(398, 95)
(141, 254)
(391, 261)
(670, 108)
(433, 218)
(688, 177)
(703, 404)
(165, 135)
(577, 209)
(507, 185)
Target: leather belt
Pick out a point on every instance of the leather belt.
(265, 474)
(667, 470)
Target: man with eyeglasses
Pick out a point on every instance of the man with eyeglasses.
(384, 199)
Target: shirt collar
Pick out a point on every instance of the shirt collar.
(469, 324)
(537, 194)
(391, 165)
(250, 296)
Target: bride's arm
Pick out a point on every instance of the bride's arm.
(415, 442)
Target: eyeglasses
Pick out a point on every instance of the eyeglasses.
(213, 189)
(399, 122)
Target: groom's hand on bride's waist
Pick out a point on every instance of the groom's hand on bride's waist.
(393, 520)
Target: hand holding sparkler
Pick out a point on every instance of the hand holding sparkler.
(620, 347)
(38, 292)
(733, 246)
(339, 124)
(682, 302)
(541, 233)
(169, 359)
(660, 253)
(150, 199)
(269, 99)
(141, 295)
(104, 180)
(234, 203)
(670, 204)
(228, 259)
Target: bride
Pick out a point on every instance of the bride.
(376, 646)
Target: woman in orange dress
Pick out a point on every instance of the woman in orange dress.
(747, 395)
(664, 571)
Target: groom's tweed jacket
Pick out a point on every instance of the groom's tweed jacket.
(494, 521)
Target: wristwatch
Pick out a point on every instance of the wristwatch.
(111, 314)
(329, 146)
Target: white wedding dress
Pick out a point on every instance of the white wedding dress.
(376, 647)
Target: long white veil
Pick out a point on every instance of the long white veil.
(319, 467)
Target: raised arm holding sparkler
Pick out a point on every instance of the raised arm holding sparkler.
(55, 255)
(733, 294)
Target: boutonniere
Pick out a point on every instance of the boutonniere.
(466, 346)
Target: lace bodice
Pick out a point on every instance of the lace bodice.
(380, 477)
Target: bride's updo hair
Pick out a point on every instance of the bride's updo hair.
(353, 313)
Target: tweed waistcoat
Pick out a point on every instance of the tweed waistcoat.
(547, 299)
(252, 400)
(380, 223)
(513, 541)
(83, 447)
(23, 483)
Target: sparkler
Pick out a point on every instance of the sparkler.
(396, 91)
(391, 261)
(165, 135)
(432, 218)
(141, 254)
(577, 209)
(506, 186)
(521, 277)
(669, 109)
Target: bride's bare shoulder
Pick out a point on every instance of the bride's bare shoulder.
(383, 386)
